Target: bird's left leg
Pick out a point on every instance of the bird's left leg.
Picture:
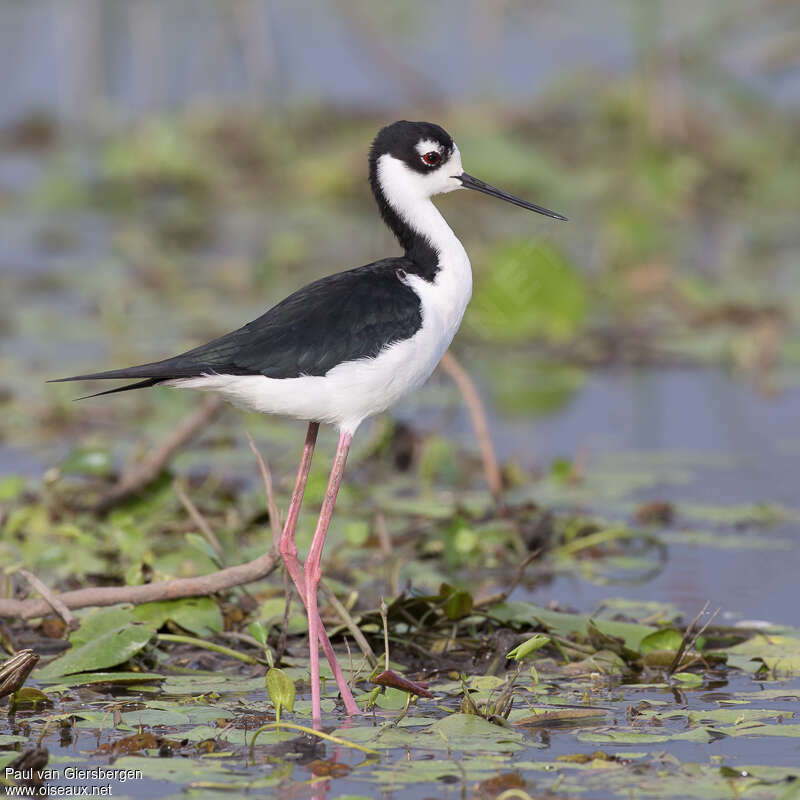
(288, 551)
(313, 570)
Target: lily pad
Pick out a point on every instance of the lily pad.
(108, 650)
(199, 615)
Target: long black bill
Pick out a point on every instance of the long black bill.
(473, 183)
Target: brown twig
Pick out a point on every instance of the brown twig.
(501, 597)
(272, 506)
(349, 623)
(137, 477)
(50, 598)
(387, 551)
(201, 522)
(275, 525)
(690, 638)
(200, 586)
(480, 425)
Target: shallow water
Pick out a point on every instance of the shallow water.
(718, 442)
(538, 760)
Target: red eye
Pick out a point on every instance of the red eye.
(432, 158)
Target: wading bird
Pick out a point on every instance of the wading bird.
(349, 345)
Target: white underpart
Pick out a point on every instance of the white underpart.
(355, 390)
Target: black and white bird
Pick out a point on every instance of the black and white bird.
(349, 345)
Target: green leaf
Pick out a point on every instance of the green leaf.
(260, 634)
(107, 650)
(281, 690)
(779, 653)
(689, 679)
(199, 615)
(665, 639)
(88, 678)
(458, 605)
(564, 624)
(27, 694)
(391, 699)
(536, 642)
(471, 732)
(99, 622)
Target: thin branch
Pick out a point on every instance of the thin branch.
(349, 623)
(275, 525)
(501, 597)
(50, 598)
(272, 506)
(690, 637)
(200, 586)
(137, 477)
(387, 550)
(200, 521)
(480, 425)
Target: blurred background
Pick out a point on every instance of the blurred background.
(170, 170)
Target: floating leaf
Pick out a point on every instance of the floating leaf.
(473, 733)
(689, 679)
(108, 650)
(567, 717)
(199, 615)
(89, 678)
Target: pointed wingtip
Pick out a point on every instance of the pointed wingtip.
(138, 385)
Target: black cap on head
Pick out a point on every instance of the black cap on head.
(400, 140)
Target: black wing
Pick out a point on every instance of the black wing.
(341, 317)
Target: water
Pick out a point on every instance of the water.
(738, 448)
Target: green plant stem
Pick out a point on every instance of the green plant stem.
(217, 648)
(311, 732)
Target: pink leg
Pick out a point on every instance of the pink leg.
(288, 551)
(313, 570)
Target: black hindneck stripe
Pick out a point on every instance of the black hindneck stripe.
(416, 247)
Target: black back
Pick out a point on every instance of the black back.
(341, 317)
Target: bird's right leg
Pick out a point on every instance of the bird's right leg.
(288, 551)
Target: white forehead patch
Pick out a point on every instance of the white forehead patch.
(426, 145)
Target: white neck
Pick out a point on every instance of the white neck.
(409, 194)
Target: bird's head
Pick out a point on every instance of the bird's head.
(412, 161)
